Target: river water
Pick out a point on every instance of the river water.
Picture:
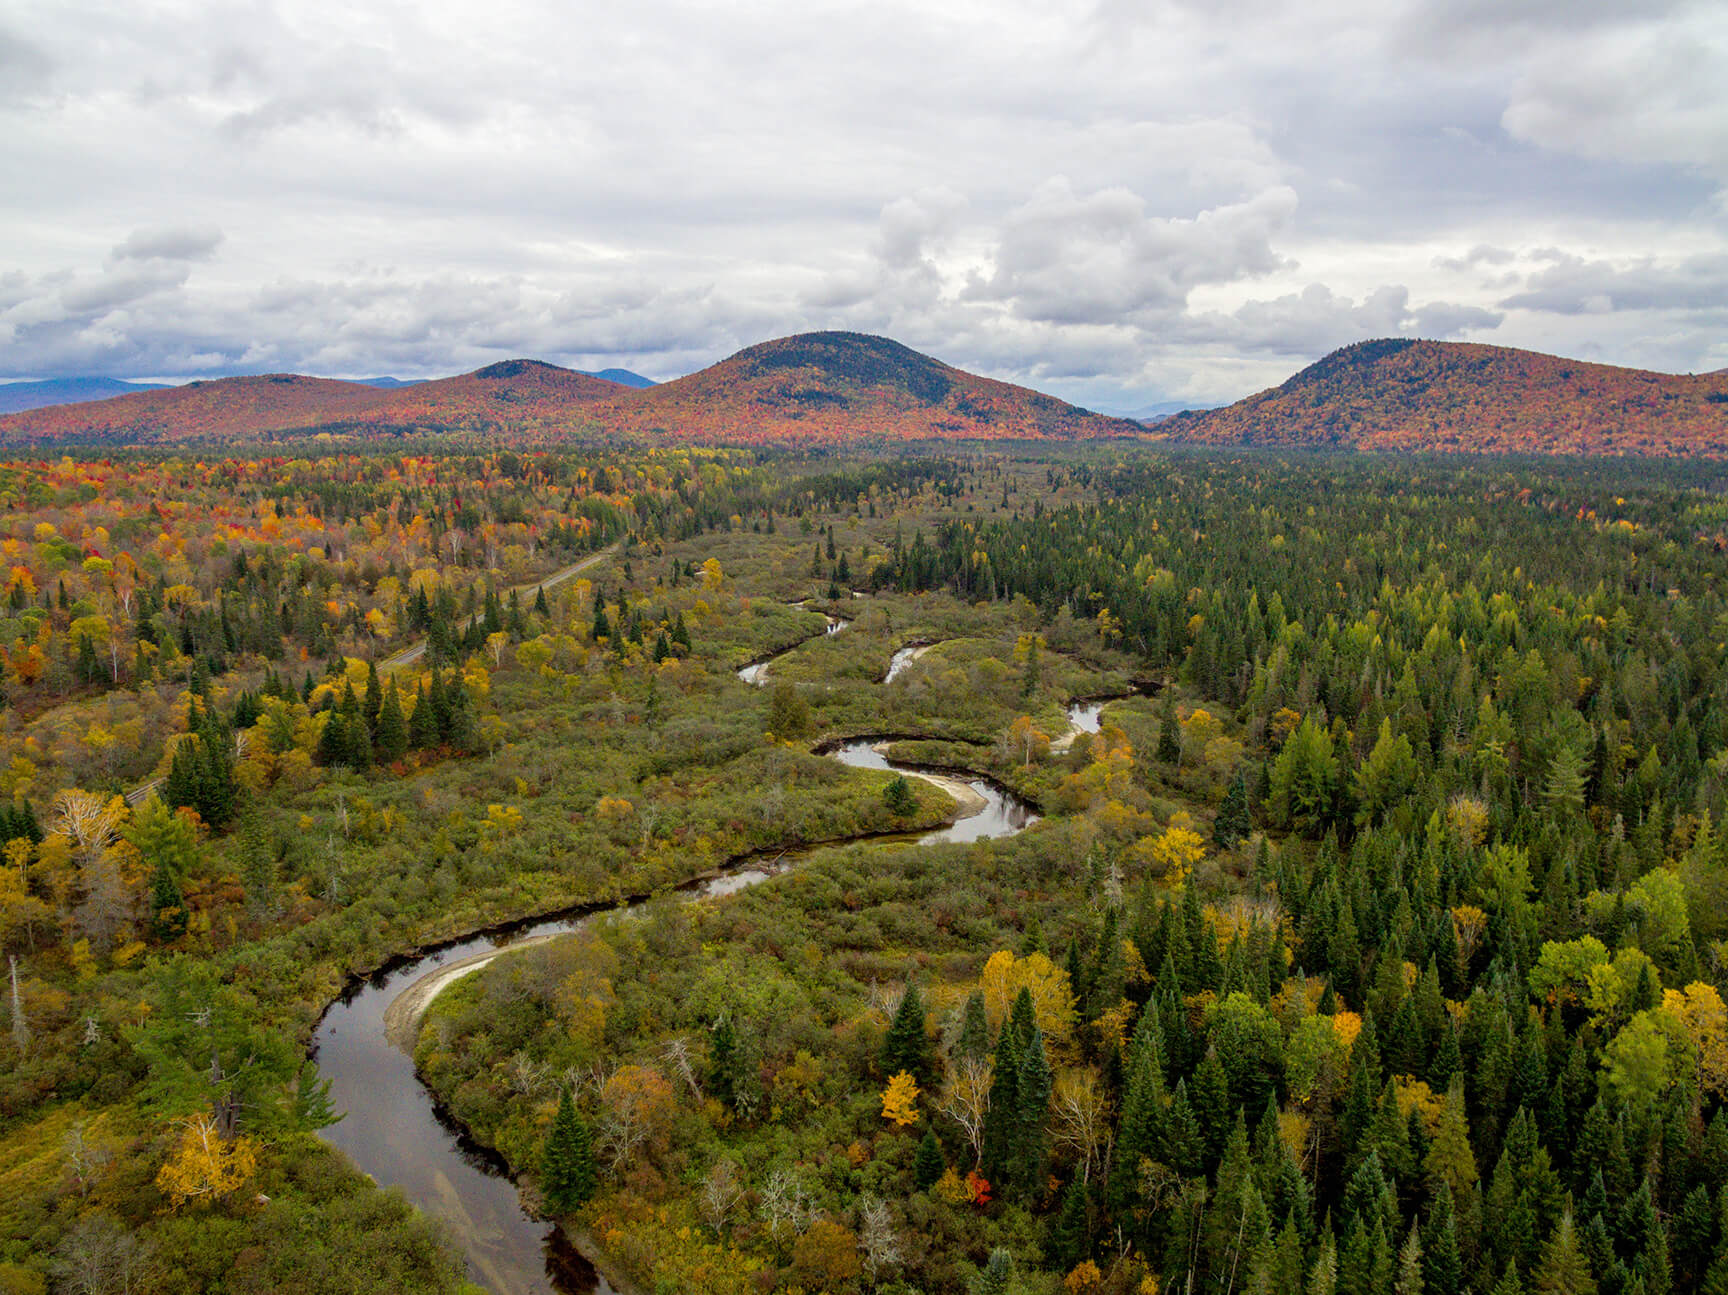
(395, 1133)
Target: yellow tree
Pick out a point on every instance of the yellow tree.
(1028, 739)
(1700, 1012)
(900, 1100)
(1052, 996)
(204, 1166)
(1179, 849)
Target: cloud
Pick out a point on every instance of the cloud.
(1571, 285)
(171, 244)
(1070, 259)
(1117, 199)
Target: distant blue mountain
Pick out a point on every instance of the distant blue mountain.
(625, 377)
(389, 383)
(16, 397)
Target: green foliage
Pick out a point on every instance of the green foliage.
(567, 1159)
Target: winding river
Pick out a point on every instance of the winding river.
(396, 1132)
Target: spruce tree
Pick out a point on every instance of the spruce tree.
(1071, 1231)
(928, 1165)
(1233, 823)
(1564, 1270)
(905, 1047)
(422, 723)
(567, 1159)
(392, 738)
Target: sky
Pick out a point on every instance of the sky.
(1124, 202)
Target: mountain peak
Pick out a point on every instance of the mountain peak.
(1417, 395)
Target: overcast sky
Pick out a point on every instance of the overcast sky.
(1120, 201)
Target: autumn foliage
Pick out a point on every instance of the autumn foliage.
(1466, 397)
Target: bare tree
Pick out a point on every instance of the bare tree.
(878, 1237)
(966, 1099)
(785, 1206)
(100, 1257)
(107, 905)
(1082, 1111)
(676, 1051)
(721, 1192)
(20, 1026)
(85, 1160)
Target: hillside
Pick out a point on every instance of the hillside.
(523, 398)
(825, 387)
(817, 387)
(1466, 397)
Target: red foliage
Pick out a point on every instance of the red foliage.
(1466, 397)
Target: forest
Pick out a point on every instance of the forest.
(1368, 936)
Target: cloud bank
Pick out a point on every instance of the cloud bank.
(1124, 203)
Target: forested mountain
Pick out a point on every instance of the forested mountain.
(1397, 394)
(845, 387)
(831, 388)
(526, 397)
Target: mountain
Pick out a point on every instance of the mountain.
(1398, 394)
(520, 398)
(18, 396)
(816, 387)
(832, 387)
(624, 378)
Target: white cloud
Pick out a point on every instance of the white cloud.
(1117, 200)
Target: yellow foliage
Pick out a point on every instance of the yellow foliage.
(900, 1100)
(1112, 1025)
(1179, 849)
(1052, 998)
(1348, 1025)
(1701, 1015)
(1084, 1277)
(952, 1188)
(1467, 819)
(205, 1166)
(613, 807)
(1415, 1095)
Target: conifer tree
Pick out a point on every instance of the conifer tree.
(391, 741)
(1564, 1270)
(1071, 1231)
(567, 1159)
(928, 1165)
(1233, 822)
(905, 1046)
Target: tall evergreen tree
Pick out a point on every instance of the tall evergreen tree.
(567, 1159)
(906, 1047)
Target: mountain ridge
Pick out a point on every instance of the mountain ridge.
(808, 388)
(1415, 395)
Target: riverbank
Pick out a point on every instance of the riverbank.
(402, 1017)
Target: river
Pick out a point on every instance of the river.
(394, 1131)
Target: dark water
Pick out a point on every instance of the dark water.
(395, 1133)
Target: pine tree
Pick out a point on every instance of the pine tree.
(928, 1164)
(974, 1040)
(422, 723)
(1233, 823)
(1071, 1231)
(1442, 1265)
(905, 1046)
(567, 1159)
(1033, 1092)
(392, 737)
(1564, 1270)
